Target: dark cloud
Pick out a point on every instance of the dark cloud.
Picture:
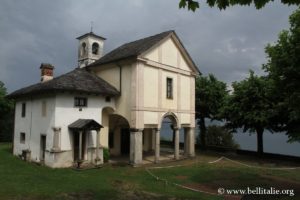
(226, 43)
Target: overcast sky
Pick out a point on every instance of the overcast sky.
(226, 43)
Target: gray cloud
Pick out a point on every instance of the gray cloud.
(226, 43)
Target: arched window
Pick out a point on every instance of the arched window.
(95, 48)
(83, 49)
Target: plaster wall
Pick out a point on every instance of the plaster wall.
(66, 113)
(34, 124)
(168, 53)
(111, 73)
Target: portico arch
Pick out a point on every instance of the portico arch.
(172, 116)
(119, 136)
(175, 126)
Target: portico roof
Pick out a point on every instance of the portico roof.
(85, 124)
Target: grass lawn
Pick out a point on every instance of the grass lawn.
(21, 180)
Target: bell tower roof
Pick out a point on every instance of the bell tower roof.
(91, 34)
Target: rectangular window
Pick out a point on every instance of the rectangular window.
(169, 88)
(44, 108)
(80, 102)
(23, 109)
(22, 138)
(107, 99)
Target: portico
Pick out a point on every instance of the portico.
(82, 129)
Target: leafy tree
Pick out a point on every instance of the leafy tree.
(6, 115)
(283, 67)
(220, 136)
(223, 4)
(250, 107)
(210, 94)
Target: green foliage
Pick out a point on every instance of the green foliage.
(6, 115)
(283, 68)
(220, 136)
(250, 106)
(106, 154)
(223, 4)
(192, 5)
(210, 94)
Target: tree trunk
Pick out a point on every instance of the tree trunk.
(260, 147)
(202, 132)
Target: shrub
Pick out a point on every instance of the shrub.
(219, 136)
(106, 154)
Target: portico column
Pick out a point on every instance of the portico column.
(191, 135)
(176, 143)
(186, 141)
(80, 145)
(136, 146)
(157, 144)
(97, 144)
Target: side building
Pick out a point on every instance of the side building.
(45, 115)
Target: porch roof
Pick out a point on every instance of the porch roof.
(85, 124)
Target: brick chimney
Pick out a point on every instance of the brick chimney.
(46, 72)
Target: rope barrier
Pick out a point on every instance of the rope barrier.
(211, 162)
(253, 166)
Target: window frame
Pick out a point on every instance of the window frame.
(169, 88)
(78, 102)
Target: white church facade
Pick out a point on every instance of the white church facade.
(116, 101)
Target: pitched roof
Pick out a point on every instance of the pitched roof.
(91, 34)
(131, 49)
(85, 124)
(78, 80)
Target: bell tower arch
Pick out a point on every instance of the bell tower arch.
(90, 48)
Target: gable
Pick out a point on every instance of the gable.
(171, 52)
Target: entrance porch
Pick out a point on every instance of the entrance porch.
(84, 150)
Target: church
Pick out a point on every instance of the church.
(115, 101)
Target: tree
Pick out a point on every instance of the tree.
(223, 4)
(210, 94)
(250, 107)
(220, 136)
(6, 115)
(283, 67)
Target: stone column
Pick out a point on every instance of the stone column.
(97, 146)
(186, 141)
(191, 148)
(80, 145)
(136, 146)
(176, 145)
(157, 145)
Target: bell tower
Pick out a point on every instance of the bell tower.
(90, 48)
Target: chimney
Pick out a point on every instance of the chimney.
(46, 72)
